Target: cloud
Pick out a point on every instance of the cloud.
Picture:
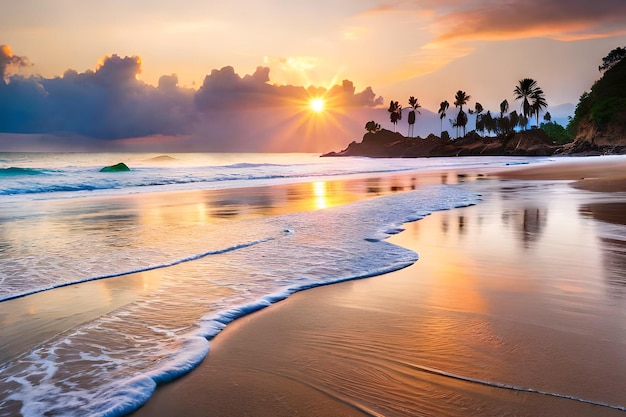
(461, 21)
(224, 89)
(9, 61)
(111, 104)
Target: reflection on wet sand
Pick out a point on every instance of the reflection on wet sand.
(511, 292)
(33, 319)
(613, 221)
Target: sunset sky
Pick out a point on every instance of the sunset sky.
(426, 48)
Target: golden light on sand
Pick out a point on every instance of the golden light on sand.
(319, 191)
(317, 104)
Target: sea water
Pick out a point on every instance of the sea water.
(64, 223)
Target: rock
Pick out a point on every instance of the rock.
(119, 167)
(534, 142)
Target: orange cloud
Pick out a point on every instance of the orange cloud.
(559, 20)
(461, 21)
(8, 61)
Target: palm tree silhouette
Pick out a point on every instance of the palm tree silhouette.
(395, 110)
(478, 109)
(413, 102)
(504, 108)
(443, 106)
(527, 90)
(461, 98)
(539, 103)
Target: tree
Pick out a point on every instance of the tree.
(615, 56)
(488, 122)
(443, 106)
(556, 132)
(539, 103)
(523, 121)
(460, 99)
(461, 120)
(547, 117)
(478, 109)
(515, 119)
(395, 113)
(372, 127)
(504, 108)
(529, 92)
(415, 105)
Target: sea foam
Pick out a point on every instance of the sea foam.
(112, 365)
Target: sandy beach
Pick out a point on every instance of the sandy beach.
(517, 306)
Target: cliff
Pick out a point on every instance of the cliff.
(599, 122)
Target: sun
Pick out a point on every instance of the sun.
(317, 104)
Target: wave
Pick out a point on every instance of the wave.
(143, 181)
(15, 171)
(251, 165)
(146, 269)
(122, 356)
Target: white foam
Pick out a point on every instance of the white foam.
(111, 366)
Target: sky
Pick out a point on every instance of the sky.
(204, 75)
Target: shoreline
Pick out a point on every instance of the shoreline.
(259, 383)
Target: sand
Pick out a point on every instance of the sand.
(522, 290)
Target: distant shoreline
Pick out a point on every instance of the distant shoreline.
(533, 142)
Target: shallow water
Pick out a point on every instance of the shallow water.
(203, 258)
(517, 307)
(200, 259)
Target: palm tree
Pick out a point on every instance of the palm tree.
(414, 103)
(516, 119)
(528, 90)
(478, 109)
(395, 110)
(489, 122)
(461, 120)
(539, 103)
(461, 98)
(504, 108)
(443, 106)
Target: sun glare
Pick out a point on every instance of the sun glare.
(317, 104)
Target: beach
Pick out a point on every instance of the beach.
(514, 307)
(517, 306)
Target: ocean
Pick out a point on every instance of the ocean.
(113, 283)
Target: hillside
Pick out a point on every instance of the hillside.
(599, 122)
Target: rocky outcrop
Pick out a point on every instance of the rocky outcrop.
(119, 167)
(386, 144)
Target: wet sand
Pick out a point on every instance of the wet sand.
(515, 304)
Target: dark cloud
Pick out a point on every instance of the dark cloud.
(225, 89)
(110, 103)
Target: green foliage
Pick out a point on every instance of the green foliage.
(606, 99)
(615, 56)
(583, 108)
(445, 135)
(556, 132)
(603, 111)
